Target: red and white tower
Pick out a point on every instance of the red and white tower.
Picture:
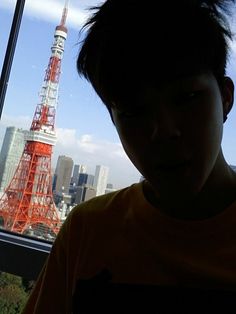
(27, 202)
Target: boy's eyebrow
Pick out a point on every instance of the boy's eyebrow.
(180, 79)
(189, 73)
(175, 84)
(130, 95)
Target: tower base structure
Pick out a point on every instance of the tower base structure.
(27, 205)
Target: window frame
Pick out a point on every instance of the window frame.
(9, 54)
(22, 255)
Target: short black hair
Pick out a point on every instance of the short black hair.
(129, 43)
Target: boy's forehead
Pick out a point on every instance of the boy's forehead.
(154, 59)
(129, 80)
(158, 71)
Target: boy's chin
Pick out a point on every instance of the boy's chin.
(174, 193)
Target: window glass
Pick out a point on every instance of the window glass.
(6, 16)
(87, 159)
(87, 149)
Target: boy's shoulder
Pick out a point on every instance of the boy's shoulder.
(100, 216)
(110, 200)
(108, 207)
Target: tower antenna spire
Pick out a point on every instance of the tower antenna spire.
(64, 14)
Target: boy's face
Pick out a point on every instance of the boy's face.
(173, 133)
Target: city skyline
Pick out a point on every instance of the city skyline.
(13, 129)
(84, 129)
(11, 152)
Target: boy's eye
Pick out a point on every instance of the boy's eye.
(127, 114)
(130, 113)
(187, 98)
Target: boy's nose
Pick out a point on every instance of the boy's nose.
(165, 125)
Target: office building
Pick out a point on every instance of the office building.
(90, 180)
(11, 151)
(100, 179)
(82, 180)
(79, 195)
(76, 172)
(88, 193)
(62, 176)
(109, 188)
(85, 178)
(84, 193)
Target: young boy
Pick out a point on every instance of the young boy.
(167, 244)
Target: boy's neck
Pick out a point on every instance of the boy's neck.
(217, 194)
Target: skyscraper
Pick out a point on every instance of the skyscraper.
(109, 188)
(84, 193)
(76, 172)
(82, 180)
(62, 176)
(88, 193)
(100, 179)
(85, 178)
(12, 149)
(90, 180)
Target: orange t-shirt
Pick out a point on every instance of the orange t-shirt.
(135, 243)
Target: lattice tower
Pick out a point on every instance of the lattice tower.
(27, 204)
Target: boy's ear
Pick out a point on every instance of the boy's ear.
(227, 96)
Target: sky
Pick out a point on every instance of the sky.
(84, 129)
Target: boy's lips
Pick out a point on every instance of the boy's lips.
(172, 167)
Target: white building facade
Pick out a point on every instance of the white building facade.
(100, 179)
(11, 152)
(62, 175)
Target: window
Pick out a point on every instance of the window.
(6, 16)
(87, 149)
(87, 153)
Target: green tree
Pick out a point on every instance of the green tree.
(12, 294)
